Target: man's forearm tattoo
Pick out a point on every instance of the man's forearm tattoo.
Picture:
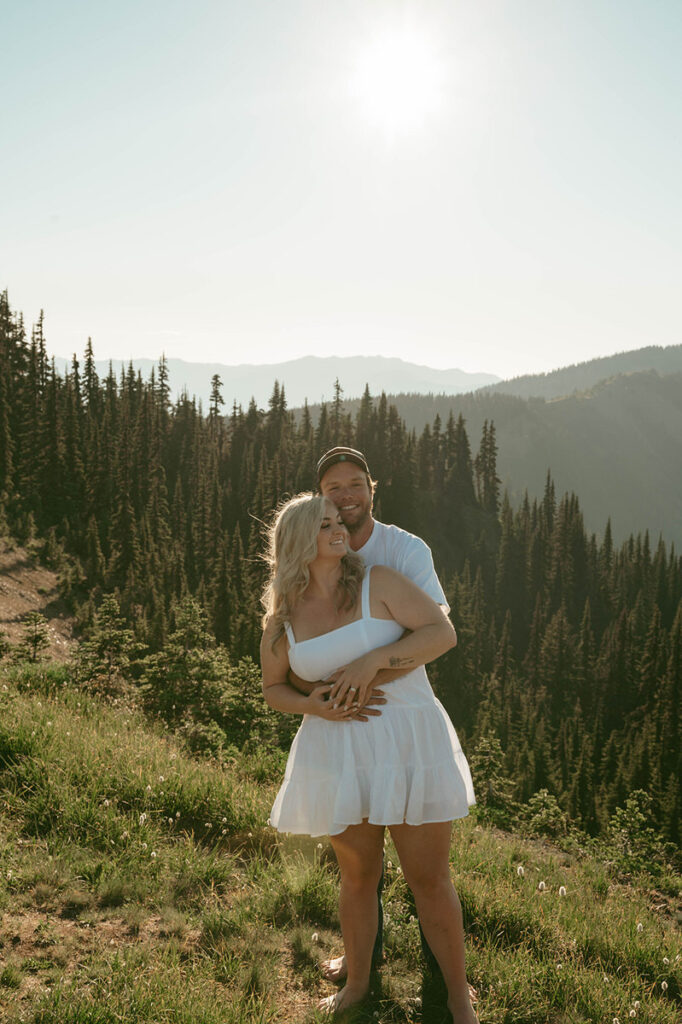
(400, 662)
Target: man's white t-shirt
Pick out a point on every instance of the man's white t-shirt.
(402, 551)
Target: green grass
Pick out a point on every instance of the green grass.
(140, 884)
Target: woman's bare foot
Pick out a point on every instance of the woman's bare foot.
(343, 1000)
(334, 969)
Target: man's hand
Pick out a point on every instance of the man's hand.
(358, 714)
(369, 710)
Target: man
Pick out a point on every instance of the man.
(343, 476)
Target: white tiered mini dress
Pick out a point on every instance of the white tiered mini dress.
(405, 765)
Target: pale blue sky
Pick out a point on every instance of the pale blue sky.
(200, 179)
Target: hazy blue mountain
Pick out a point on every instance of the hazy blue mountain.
(618, 446)
(581, 376)
(310, 377)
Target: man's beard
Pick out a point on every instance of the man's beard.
(358, 525)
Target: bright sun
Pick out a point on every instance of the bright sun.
(398, 81)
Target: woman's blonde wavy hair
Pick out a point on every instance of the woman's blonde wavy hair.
(291, 547)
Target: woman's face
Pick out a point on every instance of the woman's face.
(332, 539)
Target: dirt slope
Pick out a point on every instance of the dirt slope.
(27, 587)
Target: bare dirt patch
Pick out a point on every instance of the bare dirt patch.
(26, 586)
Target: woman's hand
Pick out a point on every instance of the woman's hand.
(353, 682)
(319, 704)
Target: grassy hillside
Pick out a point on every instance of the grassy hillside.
(138, 884)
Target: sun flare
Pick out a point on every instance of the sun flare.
(398, 80)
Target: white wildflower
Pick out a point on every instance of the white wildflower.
(177, 814)
(49, 724)
(143, 818)
(161, 778)
(124, 835)
(4, 689)
(616, 1021)
(173, 756)
(389, 864)
(640, 926)
(149, 789)
(106, 803)
(664, 986)
(520, 871)
(315, 937)
(223, 832)
(153, 855)
(562, 890)
(636, 1004)
(399, 870)
(606, 979)
(207, 824)
(144, 846)
(541, 886)
(224, 820)
(559, 966)
(666, 961)
(9, 876)
(171, 820)
(249, 835)
(633, 1013)
(319, 845)
(412, 919)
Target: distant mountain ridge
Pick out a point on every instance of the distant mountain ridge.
(582, 376)
(310, 377)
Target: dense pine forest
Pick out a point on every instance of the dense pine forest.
(570, 648)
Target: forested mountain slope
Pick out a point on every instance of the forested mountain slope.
(570, 646)
(618, 445)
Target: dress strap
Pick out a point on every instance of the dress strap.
(365, 593)
(290, 634)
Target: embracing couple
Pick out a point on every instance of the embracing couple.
(353, 605)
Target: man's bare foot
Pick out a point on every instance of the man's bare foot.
(343, 1000)
(334, 969)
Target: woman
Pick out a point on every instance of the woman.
(349, 779)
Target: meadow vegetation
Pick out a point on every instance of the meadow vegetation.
(139, 882)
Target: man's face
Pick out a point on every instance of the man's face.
(347, 486)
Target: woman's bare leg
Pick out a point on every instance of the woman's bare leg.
(359, 851)
(424, 857)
